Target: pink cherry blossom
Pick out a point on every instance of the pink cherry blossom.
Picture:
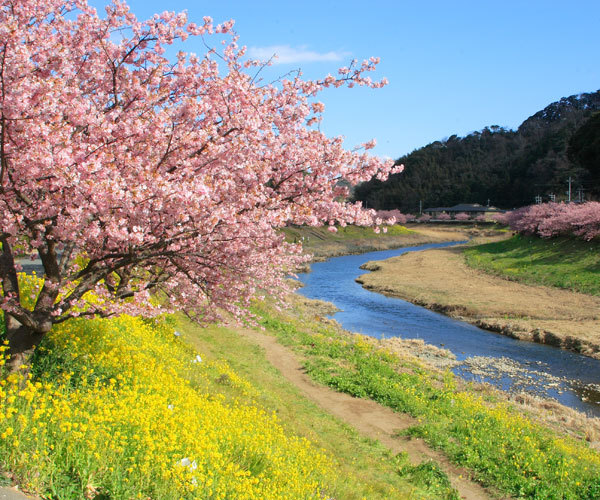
(392, 216)
(130, 174)
(553, 219)
(462, 216)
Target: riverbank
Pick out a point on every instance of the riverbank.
(352, 240)
(440, 280)
(504, 444)
(439, 360)
(163, 387)
(568, 263)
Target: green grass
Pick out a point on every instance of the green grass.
(560, 262)
(504, 449)
(311, 236)
(367, 469)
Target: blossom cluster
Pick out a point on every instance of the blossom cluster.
(462, 216)
(393, 216)
(556, 219)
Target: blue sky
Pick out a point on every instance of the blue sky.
(453, 66)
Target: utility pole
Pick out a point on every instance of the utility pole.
(569, 191)
(580, 194)
(420, 207)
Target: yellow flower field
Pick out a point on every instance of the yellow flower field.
(122, 408)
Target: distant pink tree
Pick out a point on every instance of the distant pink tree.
(166, 176)
(424, 218)
(462, 216)
(392, 216)
(443, 216)
(554, 219)
(481, 218)
(501, 218)
(586, 221)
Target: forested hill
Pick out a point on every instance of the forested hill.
(509, 168)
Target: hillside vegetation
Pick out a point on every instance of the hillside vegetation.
(508, 168)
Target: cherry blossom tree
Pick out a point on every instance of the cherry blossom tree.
(462, 216)
(392, 216)
(557, 219)
(501, 217)
(131, 175)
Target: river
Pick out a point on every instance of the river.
(572, 379)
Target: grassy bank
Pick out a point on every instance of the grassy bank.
(311, 236)
(363, 467)
(133, 408)
(477, 430)
(123, 409)
(324, 244)
(567, 263)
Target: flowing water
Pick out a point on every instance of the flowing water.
(510, 364)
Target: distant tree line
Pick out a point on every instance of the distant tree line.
(505, 167)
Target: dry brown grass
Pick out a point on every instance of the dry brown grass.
(440, 280)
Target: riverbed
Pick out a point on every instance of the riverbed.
(510, 364)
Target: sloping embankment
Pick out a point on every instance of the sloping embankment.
(356, 240)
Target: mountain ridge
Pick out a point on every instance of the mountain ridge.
(507, 168)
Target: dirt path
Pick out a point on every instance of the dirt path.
(440, 280)
(368, 417)
(12, 494)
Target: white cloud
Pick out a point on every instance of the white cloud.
(292, 55)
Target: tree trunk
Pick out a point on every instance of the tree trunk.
(22, 342)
